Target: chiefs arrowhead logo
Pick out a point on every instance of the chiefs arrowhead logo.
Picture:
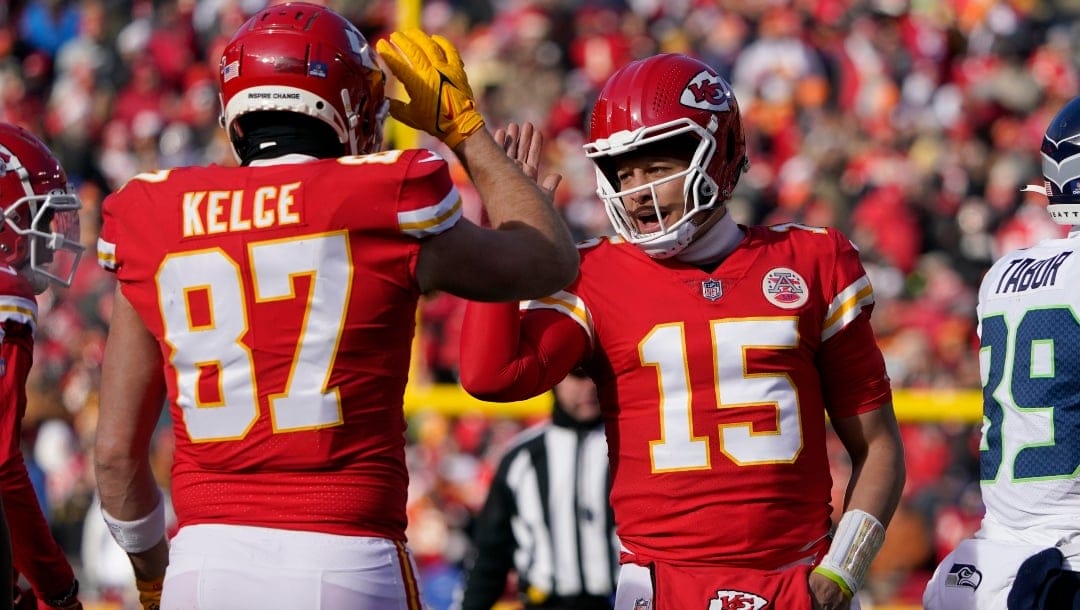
(737, 600)
(707, 91)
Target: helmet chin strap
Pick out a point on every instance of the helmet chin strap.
(39, 282)
(696, 246)
(667, 245)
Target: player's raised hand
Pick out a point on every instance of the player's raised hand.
(441, 102)
(524, 144)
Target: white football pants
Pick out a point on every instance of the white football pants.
(227, 567)
(977, 574)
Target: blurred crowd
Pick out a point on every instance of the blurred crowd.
(909, 124)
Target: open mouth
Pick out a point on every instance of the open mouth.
(647, 221)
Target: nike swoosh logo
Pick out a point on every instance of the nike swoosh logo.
(432, 156)
(450, 112)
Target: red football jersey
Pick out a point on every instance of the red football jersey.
(34, 551)
(284, 300)
(716, 386)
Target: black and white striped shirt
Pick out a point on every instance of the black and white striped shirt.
(548, 517)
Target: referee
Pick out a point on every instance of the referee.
(547, 514)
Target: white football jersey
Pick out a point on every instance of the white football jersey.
(1029, 330)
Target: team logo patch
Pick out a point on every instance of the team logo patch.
(737, 600)
(711, 289)
(1064, 171)
(707, 91)
(642, 604)
(963, 575)
(784, 288)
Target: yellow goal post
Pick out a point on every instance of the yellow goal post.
(912, 406)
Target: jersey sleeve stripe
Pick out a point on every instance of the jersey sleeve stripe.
(568, 304)
(432, 219)
(846, 306)
(18, 309)
(106, 254)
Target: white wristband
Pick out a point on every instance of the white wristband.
(141, 534)
(857, 540)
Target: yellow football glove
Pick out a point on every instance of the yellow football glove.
(441, 102)
(150, 593)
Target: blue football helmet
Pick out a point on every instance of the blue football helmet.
(1061, 165)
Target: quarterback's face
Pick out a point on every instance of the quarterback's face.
(653, 187)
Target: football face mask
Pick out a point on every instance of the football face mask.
(40, 231)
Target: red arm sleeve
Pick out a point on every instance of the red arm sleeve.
(35, 553)
(506, 356)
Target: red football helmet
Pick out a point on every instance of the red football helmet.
(41, 210)
(652, 100)
(305, 58)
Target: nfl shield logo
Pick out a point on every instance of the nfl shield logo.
(710, 289)
(642, 604)
(317, 69)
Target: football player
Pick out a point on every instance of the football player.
(39, 246)
(1026, 553)
(272, 306)
(718, 350)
